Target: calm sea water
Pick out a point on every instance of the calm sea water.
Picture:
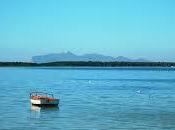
(90, 98)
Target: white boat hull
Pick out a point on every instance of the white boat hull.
(43, 102)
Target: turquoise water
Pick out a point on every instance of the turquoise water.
(90, 98)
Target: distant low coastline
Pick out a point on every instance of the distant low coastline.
(88, 64)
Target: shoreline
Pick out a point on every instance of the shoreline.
(90, 64)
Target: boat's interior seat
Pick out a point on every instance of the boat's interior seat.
(42, 97)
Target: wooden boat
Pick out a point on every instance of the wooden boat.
(43, 99)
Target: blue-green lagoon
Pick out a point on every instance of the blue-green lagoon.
(90, 98)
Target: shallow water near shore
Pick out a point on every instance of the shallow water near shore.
(90, 98)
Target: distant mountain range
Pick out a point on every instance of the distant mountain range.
(68, 56)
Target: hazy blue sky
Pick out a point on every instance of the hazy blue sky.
(131, 28)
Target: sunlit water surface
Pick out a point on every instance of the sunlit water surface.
(90, 98)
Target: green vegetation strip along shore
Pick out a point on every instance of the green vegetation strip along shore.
(87, 63)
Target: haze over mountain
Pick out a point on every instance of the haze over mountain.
(68, 56)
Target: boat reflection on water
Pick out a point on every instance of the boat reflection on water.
(44, 108)
(37, 112)
(35, 108)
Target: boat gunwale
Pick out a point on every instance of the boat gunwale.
(42, 94)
